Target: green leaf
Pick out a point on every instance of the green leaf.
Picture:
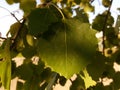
(71, 49)
(40, 19)
(16, 1)
(78, 84)
(5, 66)
(77, 1)
(100, 86)
(28, 51)
(24, 72)
(10, 1)
(87, 79)
(99, 21)
(62, 80)
(32, 74)
(32, 84)
(106, 3)
(14, 28)
(18, 33)
(81, 15)
(27, 5)
(96, 68)
(116, 80)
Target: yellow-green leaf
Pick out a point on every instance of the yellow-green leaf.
(71, 49)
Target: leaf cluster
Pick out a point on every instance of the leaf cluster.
(55, 45)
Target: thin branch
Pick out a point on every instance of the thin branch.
(10, 13)
(104, 27)
(5, 38)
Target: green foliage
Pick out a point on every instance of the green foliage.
(78, 84)
(5, 65)
(106, 3)
(99, 21)
(40, 19)
(55, 45)
(10, 1)
(100, 86)
(27, 5)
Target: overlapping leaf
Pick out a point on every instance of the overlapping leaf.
(71, 49)
(40, 19)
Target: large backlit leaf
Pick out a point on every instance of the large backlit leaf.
(5, 66)
(71, 49)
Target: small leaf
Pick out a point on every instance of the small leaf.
(78, 84)
(46, 74)
(40, 19)
(100, 86)
(106, 3)
(17, 1)
(27, 5)
(62, 80)
(87, 79)
(88, 8)
(30, 39)
(81, 15)
(99, 21)
(29, 51)
(77, 1)
(24, 72)
(14, 28)
(10, 1)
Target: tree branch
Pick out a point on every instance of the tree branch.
(104, 27)
(10, 13)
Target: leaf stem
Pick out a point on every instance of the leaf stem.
(63, 17)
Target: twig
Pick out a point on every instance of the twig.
(5, 38)
(10, 13)
(104, 27)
